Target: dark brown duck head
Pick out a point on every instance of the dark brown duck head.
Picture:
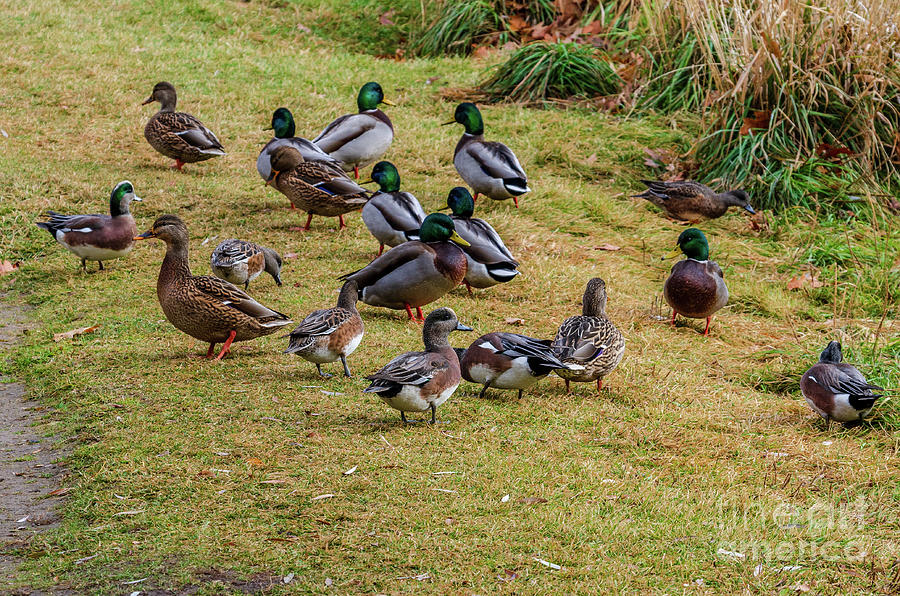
(438, 326)
(284, 158)
(273, 263)
(170, 229)
(349, 295)
(164, 93)
(738, 198)
(832, 353)
(593, 303)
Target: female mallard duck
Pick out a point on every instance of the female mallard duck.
(314, 186)
(490, 168)
(97, 237)
(391, 215)
(329, 334)
(205, 307)
(686, 200)
(420, 381)
(836, 390)
(178, 135)
(695, 287)
(509, 361)
(283, 125)
(240, 262)
(415, 273)
(489, 262)
(590, 340)
(356, 140)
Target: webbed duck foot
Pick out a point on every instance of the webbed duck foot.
(516, 201)
(210, 351)
(342, 224)
(178, 165)
(356, 172)
(706, 331)
(324, 375)
(227, 345)
(468, 287)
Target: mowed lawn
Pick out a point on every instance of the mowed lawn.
(699, 469)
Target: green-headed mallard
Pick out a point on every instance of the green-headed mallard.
(509, 361)
(687, 200)
(240, 262)
(489, 261)
(420, 381)
(417, 272)
(205, 307)
(356, 140)
(391, 215)
(329, 334)
(589, 340)
(314, 186)
(178, 135)
(490, 168)
(696, 286)
(97, 237)
(836, 390)
(283, 125)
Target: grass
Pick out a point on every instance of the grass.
(700, 444)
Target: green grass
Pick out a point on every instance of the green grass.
(700, 444)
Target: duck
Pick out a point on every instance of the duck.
(205, 307)
(695, 287)
(417, 272)
(178, 135)
(687, 200)
(489, 167)
(284, 128)
(314, 186)
(356, 140)
(421, 381)
(509, 361)
(240, 262)
(329, 334)
(589, 340)
(836, 390)
(97, 237)
(489, 262)
(391, 215)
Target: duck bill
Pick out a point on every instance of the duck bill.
(146, 235)
(750, 209)
(369, 181)
(148, 100)
(461, 327)
(457, 239)
(272, 178)
(137, 198)
(447, 123)
(674, 254)
(388, 102)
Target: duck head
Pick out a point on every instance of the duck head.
(468, 115)
(283, 158)
(692, 242)
(370, 96)
(164, 93)
(832, 353)
(120, 198)
(438, 326)
(739, 198)
(386, 176)
(168, 228)
(438, 227)
(593, 303)
(273, 264)
(460, 202)
(283, 123)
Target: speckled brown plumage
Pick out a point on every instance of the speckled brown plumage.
(178, 135)
(688, 200)
(205, 307)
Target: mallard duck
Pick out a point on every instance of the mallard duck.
(696, 286)
(420, 381)
(97, 237)
(240, 262)
(509, 361)
(329, 334)
(391, 215)
(315, 187)
(283, 125)
(415, 273)
(489, 262)
(356, 140)
(490, 168)
(836, 390)
(178, 135)
(205, 307)
(589, 340)
(691, 201)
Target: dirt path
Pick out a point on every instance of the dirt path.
(28, 468)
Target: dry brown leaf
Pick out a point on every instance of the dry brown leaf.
(70, 334)
(830, 152)
(59, 492)
(805, 279)
(533, 500)
(592, 28)
(255, 461)
(481, 52)
(760, 120)
(508, 575)
(7, 267)
(514, 321)
(517, 23)
(607, 246)
(771, 45)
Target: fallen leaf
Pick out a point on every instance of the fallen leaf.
(592, 28)
(288, 578)
(514, 321)
(771, 45)
(432, 80)
(760, 120)
(7, 267)
(385, 18)
(799, 587)
(508, 575)
(504, 498)
(532, 500)
(329, 582)
(830, 152)
(350, 471)
(70, 334)
(803, 280)
(547, 564)
(4, 133)
(205, 472)
(481, 52)
(255, 461)
(517, 23)
(607, 246)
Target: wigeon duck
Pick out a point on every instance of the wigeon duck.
(836, 390)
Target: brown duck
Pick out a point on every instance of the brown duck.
(176, 134)
(696, 286)
(686, 200)
(315, 187)
(205, 307)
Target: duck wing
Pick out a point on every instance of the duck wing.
(322, 322)
(388, 262)
(190, 130)
(481, 234)
(327, 179)
(677, 190)
(410, 368)
(230, 252)
(583, 339)
(518, 346)
(343, 130)
(74, 223)
(498, 161)
(230, 295)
